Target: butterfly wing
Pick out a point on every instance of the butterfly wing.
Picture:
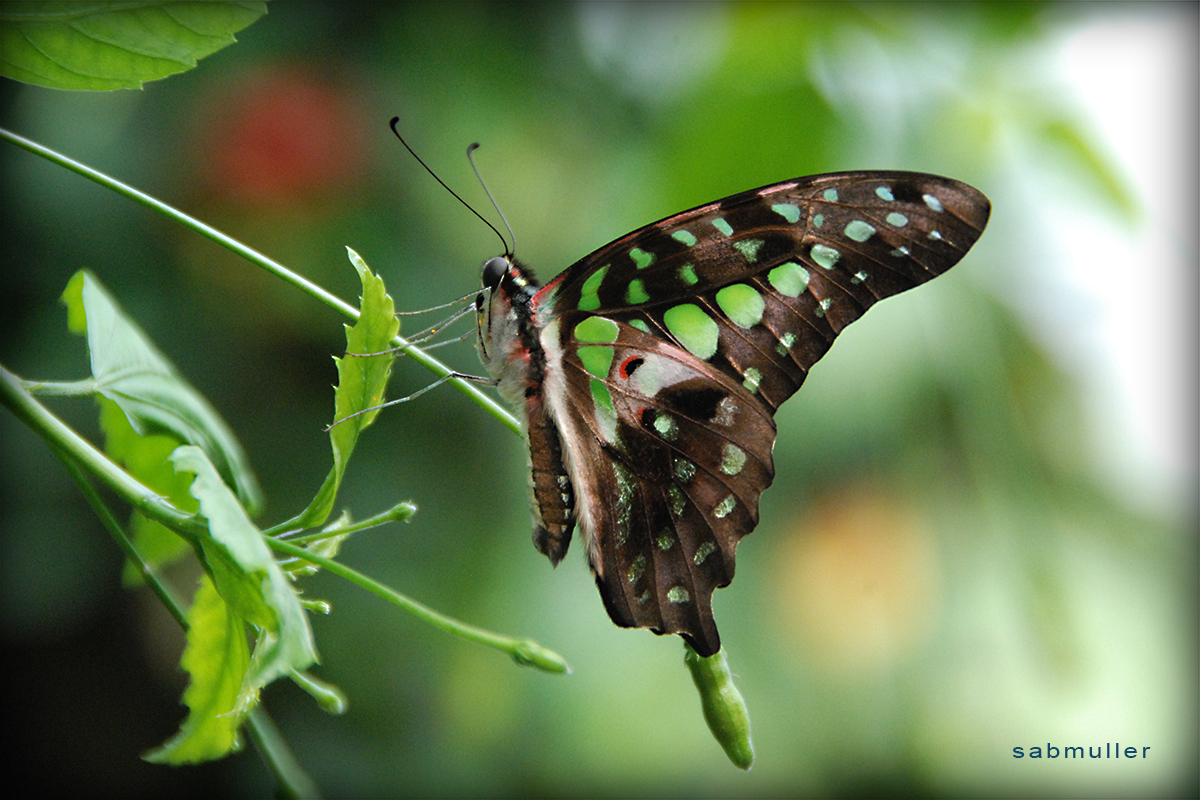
(668, 351)
(759, 284)
(668, 459)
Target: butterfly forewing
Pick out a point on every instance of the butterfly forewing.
(659, 360)
(760, 283)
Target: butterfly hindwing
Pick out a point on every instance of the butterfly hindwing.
(669, 459)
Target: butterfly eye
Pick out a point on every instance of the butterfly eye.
(494, 270)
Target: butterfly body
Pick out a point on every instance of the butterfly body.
(650, 370)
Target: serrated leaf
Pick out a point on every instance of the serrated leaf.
(216, 658)
(249, 580)
(146, 458)
(114, 45)
(361, 382)
(130, 371)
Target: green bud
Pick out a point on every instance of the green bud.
(724, 709)
(328, 696)
(529, 653)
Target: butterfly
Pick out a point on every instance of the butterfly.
(648, 372)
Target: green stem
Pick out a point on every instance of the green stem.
(62, 439)
(84, 388)
(257, 258)
(523, 651)
(397, 513)
(117, 531)
(293, 780)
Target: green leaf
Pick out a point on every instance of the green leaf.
(131, 372)
(249, 580)
(361, 383)
(723, 706)
(216, 659)
(146, 458)
(114, 45)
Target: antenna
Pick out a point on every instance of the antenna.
(470, 157)
(394, 122)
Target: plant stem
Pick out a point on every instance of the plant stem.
(523, 651)
(109, 521)
(398, 513)
(63, 440)
(293, 780)
(257, 258)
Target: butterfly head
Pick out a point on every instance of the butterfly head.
(503, 311)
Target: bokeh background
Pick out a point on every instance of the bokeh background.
(982, 533)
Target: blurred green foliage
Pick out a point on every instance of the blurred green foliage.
(940, 575)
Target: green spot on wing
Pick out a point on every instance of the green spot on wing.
(702, 552)
(636, 568)
(785, 343)
(678, 501)
(789, 279)
(596, 360)
(743, 304)
(885, 193)
(693, 328)
(597, 329)
(831, 195)
(825, 255)
(589, 298)
(724, 507)
(732, 459)
(636, 293)
(602, 397)
(678, 595)
(753, 379)
(684, 237)
(640, 325)
(687, 274)
(897, 220)
(684, 470)
(788, 211)
(749, 248)
(641, 257)
(724, 227)
(933, 203)
(859, 231)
